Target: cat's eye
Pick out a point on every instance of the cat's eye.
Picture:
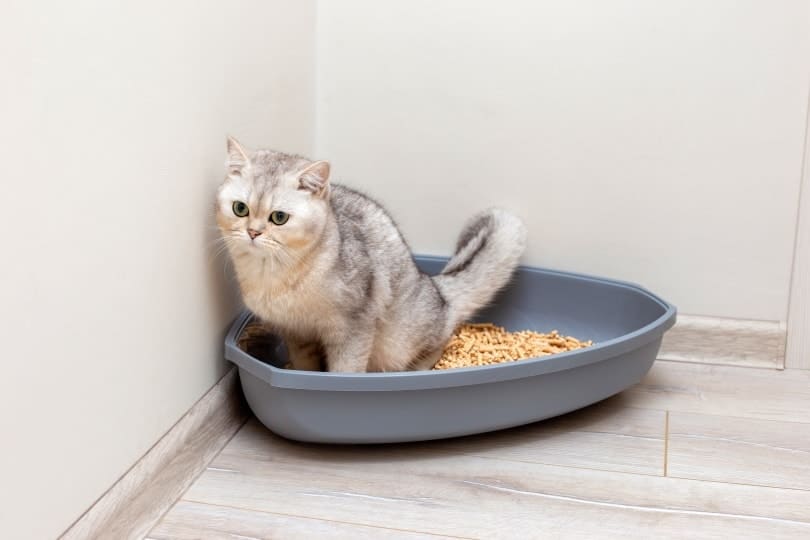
(277, 217)
(240, 209)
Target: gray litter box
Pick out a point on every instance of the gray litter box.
(625, 322)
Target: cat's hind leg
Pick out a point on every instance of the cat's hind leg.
(351, 353)
(305, 355)
(404, 347)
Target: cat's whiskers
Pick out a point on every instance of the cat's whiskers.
(291, 260)
(216, 248)
(298, 260)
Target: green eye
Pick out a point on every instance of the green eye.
(278, 217)
(240, 208)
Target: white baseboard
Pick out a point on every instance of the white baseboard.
(736, 342)
(134, 504)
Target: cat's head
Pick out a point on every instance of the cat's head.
(272, 205)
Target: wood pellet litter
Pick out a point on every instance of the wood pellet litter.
(484, 344)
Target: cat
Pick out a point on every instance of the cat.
(327, 268)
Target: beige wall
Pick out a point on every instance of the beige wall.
(113, 118)
(657, 142)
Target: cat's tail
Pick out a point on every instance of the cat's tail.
(487, 254)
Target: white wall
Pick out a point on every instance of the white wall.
(657, 142)
(113, 118)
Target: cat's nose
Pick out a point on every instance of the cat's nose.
(253, 233)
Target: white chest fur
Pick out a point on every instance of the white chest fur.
(291, 302)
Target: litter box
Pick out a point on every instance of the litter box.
(625, 322)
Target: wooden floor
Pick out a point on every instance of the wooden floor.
(695, 451)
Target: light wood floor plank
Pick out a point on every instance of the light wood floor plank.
(768, 394)
(739, 450)
(413, 487)
(604, 436)
(195, 521)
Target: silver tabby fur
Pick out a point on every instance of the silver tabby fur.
(337, 280)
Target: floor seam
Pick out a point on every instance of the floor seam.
(315, 518)
(666, 444)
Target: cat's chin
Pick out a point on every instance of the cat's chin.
(255, 249)
(250, 249)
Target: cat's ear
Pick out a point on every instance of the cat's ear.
(315, 178)
(237, 156)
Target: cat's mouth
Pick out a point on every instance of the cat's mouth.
(258, 247)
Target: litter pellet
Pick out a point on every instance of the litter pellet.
(483, 344)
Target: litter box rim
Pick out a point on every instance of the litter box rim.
(425, 380)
